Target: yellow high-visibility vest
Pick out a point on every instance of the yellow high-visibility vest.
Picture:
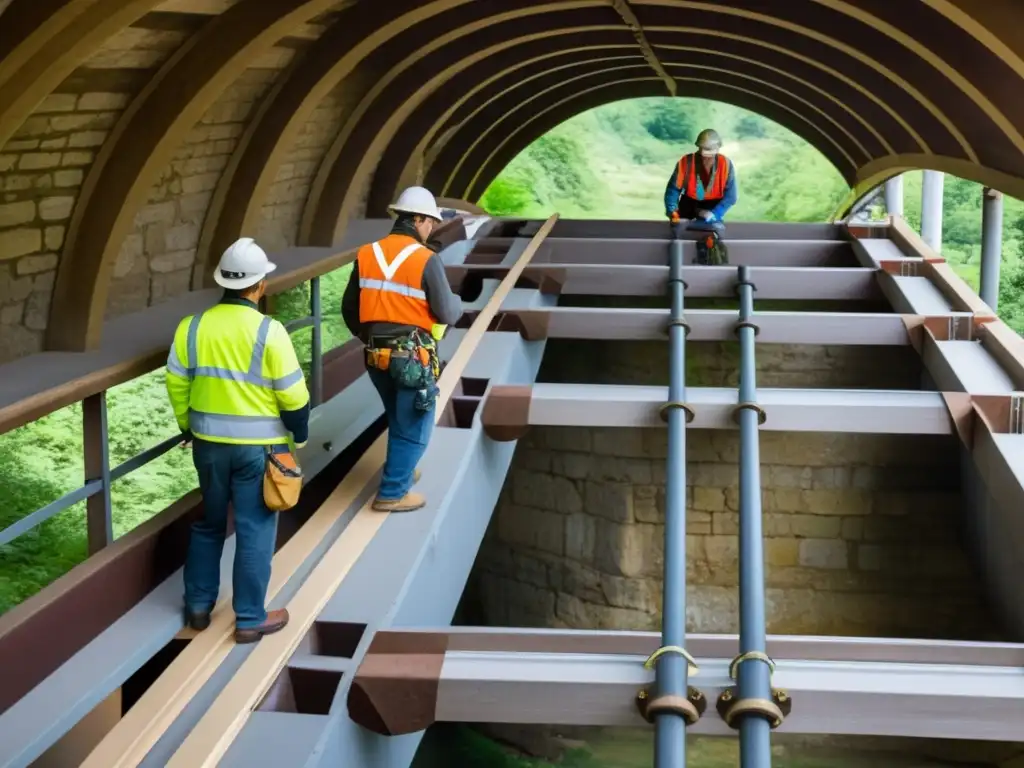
(230, 372)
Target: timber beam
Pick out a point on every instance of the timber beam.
(618, 324)
(508, 411)
(793, 283)
(409, 680)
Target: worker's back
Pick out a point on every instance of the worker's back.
(242, 372)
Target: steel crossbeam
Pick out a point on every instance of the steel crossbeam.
(841, 686)
(783, 283)
(614, 324)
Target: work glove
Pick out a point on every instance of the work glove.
(707, 216)
(674, 217)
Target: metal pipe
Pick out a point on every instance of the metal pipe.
(671, 671)
(991, 245)
(754, 675)
(931, 209)
(894, 196)
(316, 365)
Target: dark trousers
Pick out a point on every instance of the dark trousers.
(690, 208)
(231, 474)
(409, 432)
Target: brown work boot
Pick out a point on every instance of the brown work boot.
(407, 503)
(275, 622)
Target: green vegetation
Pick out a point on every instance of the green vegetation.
(611, 162)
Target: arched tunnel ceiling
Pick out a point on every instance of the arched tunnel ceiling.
(447, 92)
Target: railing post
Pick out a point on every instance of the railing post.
(752, 666)
(672, 663)
(96, 446)
(991, 245)
(316, 366)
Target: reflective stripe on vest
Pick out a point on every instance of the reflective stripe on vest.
(252, 376)
(393, 293)
(232, 426)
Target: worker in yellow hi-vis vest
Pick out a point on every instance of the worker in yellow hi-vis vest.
(236, 386)
(399, 303)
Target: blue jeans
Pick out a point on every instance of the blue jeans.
(231, 474)
(408, 434)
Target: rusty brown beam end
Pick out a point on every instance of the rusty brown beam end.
(506, 412)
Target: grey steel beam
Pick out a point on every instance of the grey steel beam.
(840, 686)
(991, 245)
(640, 252)
(841, 328)
(872, 251)
(507, 411)
(428, 558)
(793, 283)
(734, 231)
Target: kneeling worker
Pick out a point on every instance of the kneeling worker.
(398, 303)
(703, 185)
(236, 385)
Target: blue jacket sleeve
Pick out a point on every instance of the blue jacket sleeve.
(731, 194)
(672, 193)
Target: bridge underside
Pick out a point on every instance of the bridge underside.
(140, 138)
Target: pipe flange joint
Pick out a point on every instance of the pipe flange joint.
(689, 707)
(732, 709)
(663, 411)
(678, 280)
(762, 417)
(681, 323)
(746, 324)
(741, 283)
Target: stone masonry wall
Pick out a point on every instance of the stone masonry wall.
(862, 534)
(43, 167)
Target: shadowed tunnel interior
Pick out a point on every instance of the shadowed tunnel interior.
(165, 130)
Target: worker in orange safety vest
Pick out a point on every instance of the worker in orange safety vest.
(703, 184)
(398, 302)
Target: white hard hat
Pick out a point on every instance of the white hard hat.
(243, 265)
(417, 200)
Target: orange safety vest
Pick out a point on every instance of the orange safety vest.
(391, 282)
(687, 177)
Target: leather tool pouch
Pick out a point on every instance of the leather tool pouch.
(282, 481)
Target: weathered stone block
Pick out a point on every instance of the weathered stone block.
(20, 242)
(823, 553)
(580, 537)
(708, 499)
(58, 102)
(782, 552)
(612, 501)
(12, 314)
(37, 311)
(166, 286)
(172, 262)
(815, 526)
(574, 466)
(13, 214)
(31, 265)
(35, 161)
(56, 208)
(533, 528)
(99, 102)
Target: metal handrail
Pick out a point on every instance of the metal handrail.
(95, 491)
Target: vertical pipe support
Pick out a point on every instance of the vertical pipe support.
(672, 661)
(991, 245)
(894, 196)
(316, 364)
(931, 209)
(96, 447)
(752, 667)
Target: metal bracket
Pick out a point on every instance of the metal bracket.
(681, 322)
(663, 411)
(762, 417)
(731, 708)
(1017, 414)
(690, 709)
(747, 324)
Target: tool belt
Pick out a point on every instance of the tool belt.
(411, 361)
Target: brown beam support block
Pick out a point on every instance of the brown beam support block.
(945, 328)
(506, 414)
(394, 691)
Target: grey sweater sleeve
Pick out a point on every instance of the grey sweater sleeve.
(445, 305)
